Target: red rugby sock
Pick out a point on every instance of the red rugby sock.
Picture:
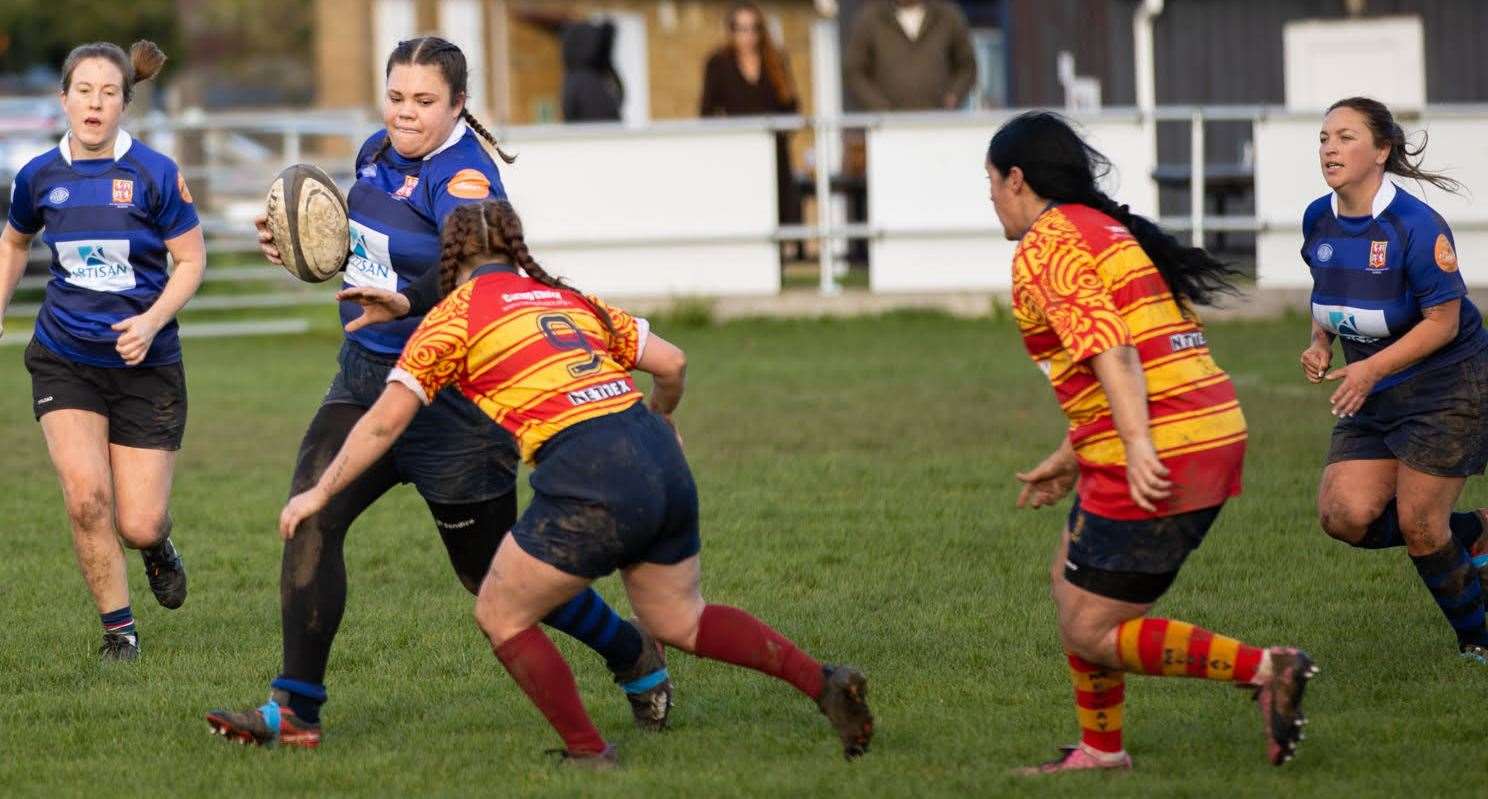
(733, 636)
(544, 676)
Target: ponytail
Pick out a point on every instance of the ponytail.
(143, 62)
(1059, 166)
(1403, 160)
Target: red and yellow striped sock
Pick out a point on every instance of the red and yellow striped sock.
(1170, 648)
(1100, 695)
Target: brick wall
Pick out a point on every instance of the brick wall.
(676, 54)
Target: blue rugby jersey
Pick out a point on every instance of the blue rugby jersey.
(1372, 275)
(106, 222)
(397, 207)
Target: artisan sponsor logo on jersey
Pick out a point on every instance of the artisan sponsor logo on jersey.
(369, 171)
(1324, 252)
(1446, 257)
(1187, 341)
(100, 265)
(531, 296)
(469, 184)
(1377, 254)
(58, 195)
(1364, 325)
(370, 264)
(405, 191)
(1118, 232)
(123, 192)
(603, 391)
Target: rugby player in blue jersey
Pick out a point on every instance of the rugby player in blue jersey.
(105, 361)
(429, 160)
(1410, 400)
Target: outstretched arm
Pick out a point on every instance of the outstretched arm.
(369, 440)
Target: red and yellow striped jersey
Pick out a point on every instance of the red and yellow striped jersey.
(1081, 286)
(535, 359)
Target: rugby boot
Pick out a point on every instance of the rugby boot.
(844, 701)
(1280, 699)
(608, 760)
(1077, 758)
(117, 646)
(269, 724)
(1475, 653)
(167, 574)
(647, 685)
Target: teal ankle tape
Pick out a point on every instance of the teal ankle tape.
(270, 712)
(645, 683)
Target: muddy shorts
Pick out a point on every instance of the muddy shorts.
(1132, 560)
(608, 493)
(145, 405)
(451, 452)
(1436, 422)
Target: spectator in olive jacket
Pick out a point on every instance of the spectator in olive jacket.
(910, 55)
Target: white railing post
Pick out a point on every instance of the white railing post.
(1196, 176)
(826, 77)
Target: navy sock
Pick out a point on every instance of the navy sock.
(120, 621)
(1384, 532)
(1453, 582)
(587, 618)
(305, 698)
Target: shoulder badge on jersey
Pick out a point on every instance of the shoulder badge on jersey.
(1377, 254)
(123, 191)
(469, 184)
(406, 190)
(1446, 257)
(181, 187)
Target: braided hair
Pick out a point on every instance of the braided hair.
(432, 50)
(491, 230)
(1059, 166)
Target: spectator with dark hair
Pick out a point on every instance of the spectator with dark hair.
(907, 55)
(749, 75)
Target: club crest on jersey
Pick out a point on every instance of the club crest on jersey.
(1446, 257)
(59, 195)
(406, 190)
(1377, 254)
(123, 192)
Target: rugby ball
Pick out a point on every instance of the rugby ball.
(307, 217)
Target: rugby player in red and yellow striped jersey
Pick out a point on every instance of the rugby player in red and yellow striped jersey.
(1156, 440)
(611, 488)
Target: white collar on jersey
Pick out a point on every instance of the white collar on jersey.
(122, 142)
(454, 138)
(1382, 198)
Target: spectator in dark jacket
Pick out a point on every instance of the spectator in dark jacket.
(592, 91)
(908, 55)
(749, 75)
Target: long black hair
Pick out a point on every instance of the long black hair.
(1060, 166)
(1385, 130)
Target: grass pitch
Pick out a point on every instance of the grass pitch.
(857, 493)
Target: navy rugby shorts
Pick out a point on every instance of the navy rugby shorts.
(1436, 422)
(1132, 560)
(611, 492)
(451, 452)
